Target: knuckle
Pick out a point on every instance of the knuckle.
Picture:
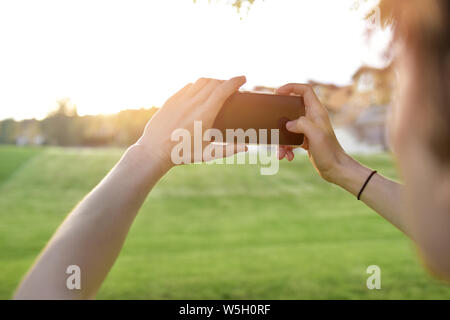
(292, 85)
(220, 92)
(317, 117)
(302, 122)
(202, 80)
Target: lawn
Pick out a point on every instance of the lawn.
(215, 232)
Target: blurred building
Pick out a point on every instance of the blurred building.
(362, 106)
(264, 89)
(29, 133)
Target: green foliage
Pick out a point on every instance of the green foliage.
(8, 129)
(64, 127)
(238, 4)
(382, 10)
(210, 231)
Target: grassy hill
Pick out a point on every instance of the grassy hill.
(209, 231)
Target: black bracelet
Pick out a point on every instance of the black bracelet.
(365, 183)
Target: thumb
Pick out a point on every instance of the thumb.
(301, 125)
(217, 151)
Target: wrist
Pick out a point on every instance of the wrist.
(149, 159)
(338, 170)
(350, 174)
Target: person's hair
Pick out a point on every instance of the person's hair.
(423, 27)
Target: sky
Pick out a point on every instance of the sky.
(112, 55)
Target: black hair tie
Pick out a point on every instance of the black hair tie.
(365, 183)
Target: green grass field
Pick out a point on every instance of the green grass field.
(215, 232)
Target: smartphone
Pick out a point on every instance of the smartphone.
(249, 110)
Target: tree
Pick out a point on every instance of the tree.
(238, 4)
(8, 131)
(58, 127)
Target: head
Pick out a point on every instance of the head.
(422, 33)
(421, 126)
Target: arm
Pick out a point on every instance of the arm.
(420, 209)
(334, 165)
(381, 194)
(92, 235)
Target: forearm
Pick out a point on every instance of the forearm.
(428, 214)
(93, 233)
(426, 223)
(381, 194)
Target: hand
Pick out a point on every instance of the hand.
(324, 150)
(200, 101)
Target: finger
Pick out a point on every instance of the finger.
(198, 85)
(232, 149)
(313, 105)
(301, 125)
(281, 152)
(180, 92)
(206, 91)
(223, 92)
(290, 155)
(217, 151)
(288, 147)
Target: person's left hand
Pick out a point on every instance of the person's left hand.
(200, 101)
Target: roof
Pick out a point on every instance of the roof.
(368, 69)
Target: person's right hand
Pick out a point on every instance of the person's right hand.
(324, 150)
